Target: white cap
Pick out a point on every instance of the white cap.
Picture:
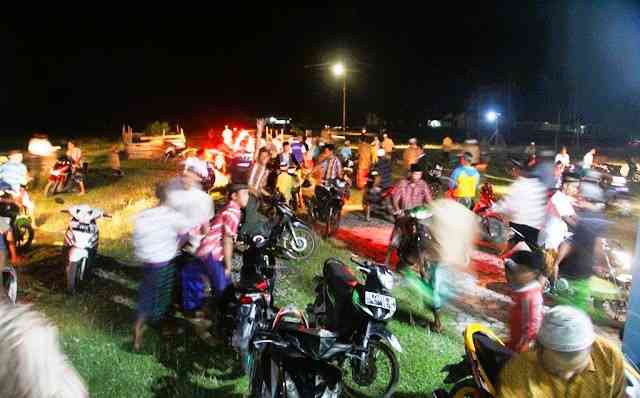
(566, 329)
(381, 152)
(413, 141)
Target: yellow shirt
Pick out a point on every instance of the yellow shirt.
(285, 184)
(524, 377)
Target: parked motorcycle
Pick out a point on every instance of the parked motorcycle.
(326, 205)
(485, 356)
(18, 215)
(494, 229)
(295, 361)
(296, 239)
(60, 177)
(81, 243)
(377, 199)
(358, 313)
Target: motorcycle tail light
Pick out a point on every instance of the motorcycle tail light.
(244, 300)
(262, 286)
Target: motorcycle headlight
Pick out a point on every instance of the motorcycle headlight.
(386, 279)
(622, 258)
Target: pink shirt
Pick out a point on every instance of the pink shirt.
(408, 195)
(224, 224)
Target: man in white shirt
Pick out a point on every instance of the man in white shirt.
(563, 157)
(560, 214)
(587, 161)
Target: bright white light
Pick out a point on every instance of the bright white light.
(338, 69)
(435, 124)
(492, 116)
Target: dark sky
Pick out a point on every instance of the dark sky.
(209, 66)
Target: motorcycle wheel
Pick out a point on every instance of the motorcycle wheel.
(466, 389)
(24, 233)
(301, 248)
(76, 275)
(380, 377)
(260, 387)
(50, 189)
(333, 222)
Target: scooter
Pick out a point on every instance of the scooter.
(485, 356)
(358, 313)
(60, 177)
(81, 243)
(494, 229)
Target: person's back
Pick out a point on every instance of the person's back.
(297, 151)
(466, 179)
(155, 234)
(285, 184)
(580, 262)
(384, 168)
(364, 156)
(526, 202)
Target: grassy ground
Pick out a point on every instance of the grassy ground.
(95, 325)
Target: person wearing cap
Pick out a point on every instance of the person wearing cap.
(579, 254)
(569, 361)
(364, 162)
(522, 270)
(464, 181)
(387, 144)
(411, 192)
(411, 154)
(216, 248)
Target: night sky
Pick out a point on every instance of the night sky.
(208, 67)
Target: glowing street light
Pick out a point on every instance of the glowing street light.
(492, 116)
(338, 69)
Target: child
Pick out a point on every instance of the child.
(287, 181)
(522, 270)
(114, 158)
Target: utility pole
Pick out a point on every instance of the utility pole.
(344, 103)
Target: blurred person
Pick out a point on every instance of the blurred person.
(40, 145)
(74, 154)
(525, 205)
(375, 145)
(198, 164)
(114, 161)
(579, 254)
(158, 234)
(411, 192)
(384, 167)
(240, 166)
(259, 175)
(287, 156)
(464, 181)
(411, 154)
(530, 150)
(522, 270)
(563, 157)
(345, 151)
(569, 361)
(33, 362)
(387, 144)
(15, 174)
(587, 160)
(364, 162)
(216, 248)
(382, 179)
(298, 150)
(287, 182)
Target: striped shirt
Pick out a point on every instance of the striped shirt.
(258, 178)
(331, 168)
(526, 202)
(408, 195)
(226, 223)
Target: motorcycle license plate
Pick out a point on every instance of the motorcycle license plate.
(81, 227)
(380, 300)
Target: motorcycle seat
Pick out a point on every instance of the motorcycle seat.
(320, 344)
(491, 355)
(339, 277)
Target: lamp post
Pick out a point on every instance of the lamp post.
(494, 117)
(339, 71)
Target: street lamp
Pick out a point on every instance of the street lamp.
(339, 71)
(494, 117)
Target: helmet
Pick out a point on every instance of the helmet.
(566, 329)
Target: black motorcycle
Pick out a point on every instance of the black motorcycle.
(377, 199)
(294, 361)
(18, 216)
(326, 205)
(358, 314)
(296, 240)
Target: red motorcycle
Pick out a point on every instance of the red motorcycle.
(60, 177)
(377, 199)
(494, 230)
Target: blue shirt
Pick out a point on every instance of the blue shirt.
(464, 180)
(345, 153)
(14, 173)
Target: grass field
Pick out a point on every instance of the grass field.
(96, 325)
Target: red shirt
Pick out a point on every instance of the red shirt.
(525, 317)
(408, 195)
(224, 224)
